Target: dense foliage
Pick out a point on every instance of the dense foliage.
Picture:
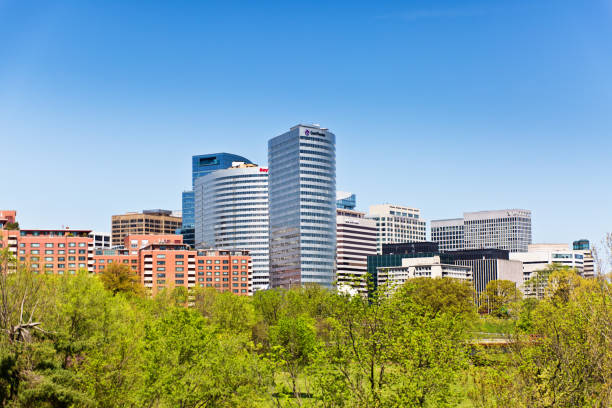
(82, 341)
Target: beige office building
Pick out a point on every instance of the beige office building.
(144, 223)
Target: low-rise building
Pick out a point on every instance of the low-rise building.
(426, 267)
(488, 265)
(540, 256)
(584, 246)
(164, 261)
(55, 251)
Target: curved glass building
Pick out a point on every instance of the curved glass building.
(302, 191)
(202, 165)
(231, 212)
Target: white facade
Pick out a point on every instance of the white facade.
(540, 256)
(101, 239)
(231, 211)
(429, 267)
(502, 229)
(448, 234)
(397, 224)
(355, 240)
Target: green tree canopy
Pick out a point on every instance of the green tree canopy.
(498, 297)
(119, 277)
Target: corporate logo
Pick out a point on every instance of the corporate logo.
(308, 132)
(263, 170)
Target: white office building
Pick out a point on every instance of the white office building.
(302, 189)
(540, 256)
(101, 239)
(448, 234)
(584, 247)
(428, 267)
(397, 224)
(500, 229)
(231, 212)
(356, 239)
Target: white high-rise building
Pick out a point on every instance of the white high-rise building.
(356, 239)
(448, 234)
(231, 212)
(302, 189)
(397, 224)
(500, 229)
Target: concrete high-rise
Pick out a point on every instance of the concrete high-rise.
(500, 229)
(302, 197)
(231, 211)
(356, 240)
(202, 165)
(147, 222)
(397, 224)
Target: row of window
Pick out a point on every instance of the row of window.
(51, 245)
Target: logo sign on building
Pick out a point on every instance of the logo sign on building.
(263, 170)
(309, 132)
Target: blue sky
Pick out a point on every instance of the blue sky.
(448, 106)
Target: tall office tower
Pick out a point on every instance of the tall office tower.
(584, 246)
(147, 222)
(397, 224)
(346, 201)
(540, 256)
(201, 165)
(302, 192)
(356, 240)
(500, 229)
(448, 234)
(231, 208)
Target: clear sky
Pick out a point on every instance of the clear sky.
(448, 106)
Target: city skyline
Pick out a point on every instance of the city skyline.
(521, 121)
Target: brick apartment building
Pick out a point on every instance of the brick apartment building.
(161, 261)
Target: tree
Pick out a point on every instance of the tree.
(393, 350)
(118, 277)
(570, 363)
(294, 343)
(11, 226)
(440, 295)
(498, 297)
(226, 310)
(187, 364)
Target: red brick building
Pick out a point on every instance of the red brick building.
(161, 261)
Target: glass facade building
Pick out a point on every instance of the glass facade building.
(201, 165)
(231, 208)
(187, 213)
(302, 198)
(346, 201)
